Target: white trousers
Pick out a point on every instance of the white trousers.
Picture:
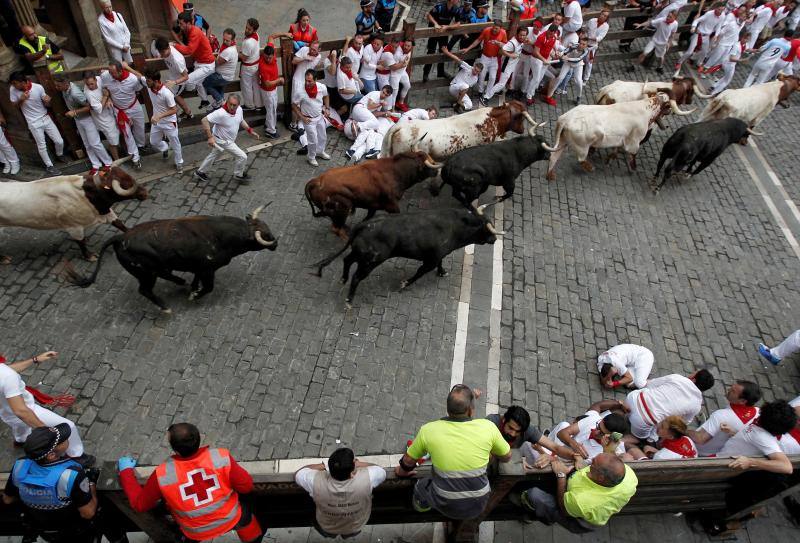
(728, 70)
(38, 129)
(134, 132)
(317, 138)
(588, 63)
(489, 72)
(364, 117)
(455, 90)
(120, 55)
(366, 140)
(384, 80)
(98, 155)
(781, 66)
(21, 431)
(398, 77)
(169, 130)
(640, 373)
(106, 124)
(719, 54)
(788, 346)
(522, 74)
(693, 51)
(7, 151)
(507, 73)
(269, 100)
(755, 32)
(760, 72)
(197, 76)
(251, 91)
(230, 147)
(576, 70)
(538, 70)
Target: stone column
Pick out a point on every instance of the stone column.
(26, 16)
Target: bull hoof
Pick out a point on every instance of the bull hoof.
(4, 260)
(403, 284)
(91, 257)
(587, 166)
(166, 311)
(443, 274)
(551, 176)
(194, 295)
(348, 305)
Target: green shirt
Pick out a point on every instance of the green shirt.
(595, 503)
(459, 445)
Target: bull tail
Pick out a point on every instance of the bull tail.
(386, 145)
(314, 212)
(601, 97)
(327, 260)
(559, 130)
(712, 110)
(76, 279)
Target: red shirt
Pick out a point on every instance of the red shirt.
(491, 50)
(308, 35)
(267, 72)
(199, 47)
(529, 9)
(144, 498)
(544, 45)
(792, 54)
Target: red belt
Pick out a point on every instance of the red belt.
(249, 63)
(384, 72)
(122, 117)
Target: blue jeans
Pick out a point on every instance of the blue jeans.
(370, 85)
(353, 99)
(215, 86)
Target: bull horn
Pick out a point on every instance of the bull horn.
(262, 241)
(430, 163)
(547, 147)
(754, 133)
(677, 111)
(700, 94)
(120, 191)
(254, 214)
(415, 145)
(490, 227)
(484, 206)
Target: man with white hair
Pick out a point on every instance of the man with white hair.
(115, 32)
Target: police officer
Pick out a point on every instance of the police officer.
(443, 16)
(33, 48)
(59, 499)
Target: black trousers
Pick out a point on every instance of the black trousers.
(384, 18)
(434, 45)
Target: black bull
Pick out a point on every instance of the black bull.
(199, 245)
(428, 236)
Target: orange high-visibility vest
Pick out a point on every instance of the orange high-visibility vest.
(199, 495)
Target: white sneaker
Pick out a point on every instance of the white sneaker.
(14, 168)
(313, 162)
(7, 168)
(324, 156)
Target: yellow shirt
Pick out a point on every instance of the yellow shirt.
(459, 445)
(595, 503)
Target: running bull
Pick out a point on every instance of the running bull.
(445, 137)
(427, 236)
(698, 145)
(375, 185)
(683, 89)
(199, 245)
(68, 202)
(751, 104)
(608, 126)
(472, 171)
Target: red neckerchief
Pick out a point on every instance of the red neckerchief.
(348, 72)
(312, 90)
(773, 7)
(109, 17)
(228, 111)
(159, 86)
(596, 435)
(28, 86)
(123, 75)
(254, 35)
(223, 46)
(795, 433)
(388, 48)
(744, 412)
(682, 446)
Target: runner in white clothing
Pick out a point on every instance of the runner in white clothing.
(626, 365)
(33, 101)
(660, 41)
(726, 37)
(742, 397)
(177, 73)
(102, 111)
(598, 431)
(703, 28)
(249, 54)
(771, 53)
(366, 112)
(573, 18)
(759, 438)
(306, 58)
(7, 153)
(464, 80)
(311, 107)
(222, 127)
(115, 32)
(788, 347)
(664, 396)
(512, 51)
(122, 86)
(596, 30)
(20, 411)
(735, 56)
(399, 79)
(369, 62)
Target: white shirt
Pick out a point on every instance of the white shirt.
(123, 93)
(416, 114)
(374, 97)
(330, 79)
(11, 386)
(311, 107)
(729, 29)
(624, 357)
(33, 108)
(713, 428)
(115, 34)
(675, 6)
(344, 82)
(594, 33)
(250, 49)
(308, 63)
(514, 47)
(663, 31)
(572, 11)
(751, 440)
(305, 478)
(780, 14)
(225, 126)
(400, 56)
(789, 444)
(761, 16)
(163, 100)
(585, 427)
(669, 395)
(369, 60)
(386, 60)
(101, 115)
(355, 56)
(228, 69)
(464, 76)
(176, 64)
(708, 23)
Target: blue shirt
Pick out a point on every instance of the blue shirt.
(475, 19)
(364, 23)
(775, 47)
(387, 5)
(444, 15)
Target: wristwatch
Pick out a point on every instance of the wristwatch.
(561, 475)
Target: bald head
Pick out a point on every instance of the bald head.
(28, 32)
(460, 401)
(607, 470)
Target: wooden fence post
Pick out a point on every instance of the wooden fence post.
(140, 63)
(287, 52)
(67, 127)
(408, 34)
(513, 23)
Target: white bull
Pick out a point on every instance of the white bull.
(607, 126)
(441, 138)
(751, 104)
(683, 89)
(67, 202)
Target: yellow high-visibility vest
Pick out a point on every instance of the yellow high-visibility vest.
(54, 65)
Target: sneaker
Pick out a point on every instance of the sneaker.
(203, 103)
(179, 168)
(93, 171)
(549, 100)
(185, 115)
(764, 351)
(244, 179)
(200, 175)
(85, 460)
(165, 154)
(419, 507)
(62, 159)
(7, 168)
(324, 156)
(137, 164)
(349, 154)
(295, 136)
(271, 135)
(483, 101)
(14, 168)
(313, 162)
(302, 151)
(52, 170)
(530, 101)
(372, 153)
(660, 70)
(402, 106)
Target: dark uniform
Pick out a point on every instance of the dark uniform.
(443, 15)
(384, 11)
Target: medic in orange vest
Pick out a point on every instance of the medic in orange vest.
(199, 485)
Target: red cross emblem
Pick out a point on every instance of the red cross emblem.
(199, 487)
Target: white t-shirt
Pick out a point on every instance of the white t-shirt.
(626, 356)
(572, 11)
(250, 49)
(329, 79)
(102, 116)
(415, 115)
(344, 82)
(355, 56)
(728, 32)
(123, 93)
(11, 385)
(751, 440)
(228, 69)
(311, 107)
(514, 47)
(708, 23)
(399, 56)
(464, 76)
(305, 478)
(713, 428)
(585, 427)
(369, 60)
(663, 31)
(225, 126)
(33, 108)
(308, 63)
(789, 444)
(675, 5)
(374, 97)
(594, 33)
(669, 395)
(163, 100)
(386, 60)
(176, 64)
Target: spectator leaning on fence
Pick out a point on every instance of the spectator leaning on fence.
(199, 48)
(301, 31)
(115, 32)
(342, 493)
(269, 80)
(366, 23)
(516, 428)
(443, 16)
(199, 485)
(225, 70)
(460, 448)
(33, 48)
(384, 11)
(742, 398)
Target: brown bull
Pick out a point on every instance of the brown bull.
(375, 185)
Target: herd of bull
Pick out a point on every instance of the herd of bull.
(462, 150)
